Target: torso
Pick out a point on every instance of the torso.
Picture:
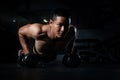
(44, 45)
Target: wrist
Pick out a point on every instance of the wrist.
(25, 52)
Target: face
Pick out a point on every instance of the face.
(59, 26)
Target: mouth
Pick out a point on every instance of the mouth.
(61, 34)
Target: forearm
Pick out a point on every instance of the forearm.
(69, 46)
(24, 43)
(69, 38)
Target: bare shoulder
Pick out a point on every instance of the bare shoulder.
(36, 27)
(71, 31)
(33, 30)
(24, 26)
(30, 29)
(71, 26)
(24, 29)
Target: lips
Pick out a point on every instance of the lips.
(60, 34)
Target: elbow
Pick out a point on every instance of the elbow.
(20, 32)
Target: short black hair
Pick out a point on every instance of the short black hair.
(59, 12)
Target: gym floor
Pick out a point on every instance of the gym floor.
(57, 71)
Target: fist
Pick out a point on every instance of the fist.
(21, 51)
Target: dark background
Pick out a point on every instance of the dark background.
(93, 19)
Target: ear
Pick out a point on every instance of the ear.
(51, 21)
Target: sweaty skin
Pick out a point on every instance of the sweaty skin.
(47, 37)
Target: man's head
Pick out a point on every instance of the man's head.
(59, 22)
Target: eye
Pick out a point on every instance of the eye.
(60, 25)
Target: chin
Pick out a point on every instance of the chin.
(59, 37)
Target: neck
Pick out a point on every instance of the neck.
(50, 33)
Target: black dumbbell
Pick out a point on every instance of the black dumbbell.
(71, 60)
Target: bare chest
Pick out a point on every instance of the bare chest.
(45, 45)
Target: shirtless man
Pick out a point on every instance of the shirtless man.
(57, 34)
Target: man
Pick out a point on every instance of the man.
(48, 39)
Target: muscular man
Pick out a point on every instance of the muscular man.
(48, 38)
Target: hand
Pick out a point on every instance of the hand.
(21, 51)
(27, 60)
(71, 59)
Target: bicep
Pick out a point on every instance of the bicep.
(34, 32)
(24, 31)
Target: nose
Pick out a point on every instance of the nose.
(62, 28)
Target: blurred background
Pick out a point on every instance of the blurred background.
(97, 23)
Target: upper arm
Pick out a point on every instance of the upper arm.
(71, 33)
(68, 39)
(72, 29)
(30, 30)
(23, 31)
